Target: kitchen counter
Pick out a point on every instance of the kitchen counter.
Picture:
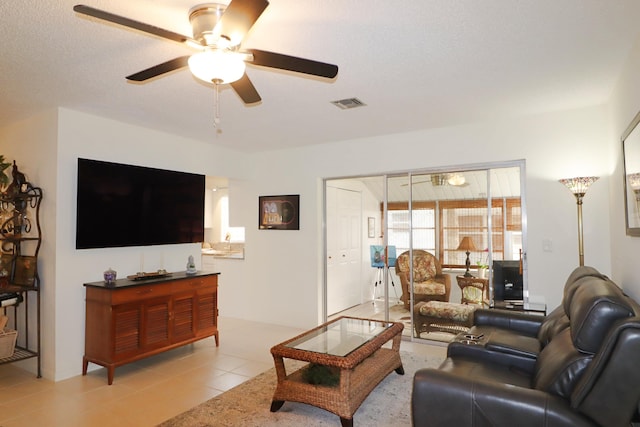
(224, 250)
(218, 253)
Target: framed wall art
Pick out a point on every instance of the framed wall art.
(371, 227)
(6, 265)
(279, 212)
(26, 267)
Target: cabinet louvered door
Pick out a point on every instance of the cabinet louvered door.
(208, 311)
(127, 327)
(183, 318)
(156, 323)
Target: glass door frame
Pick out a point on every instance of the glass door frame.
(521, 164)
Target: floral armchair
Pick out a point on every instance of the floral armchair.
(429, 284)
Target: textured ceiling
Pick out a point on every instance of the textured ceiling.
(416, 64)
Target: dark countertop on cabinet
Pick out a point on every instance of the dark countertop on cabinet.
(124, 283)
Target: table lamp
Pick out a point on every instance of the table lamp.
(466, 244)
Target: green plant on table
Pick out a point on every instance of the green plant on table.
(484, 264)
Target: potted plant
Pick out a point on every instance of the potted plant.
(482, 269)
(483, 266)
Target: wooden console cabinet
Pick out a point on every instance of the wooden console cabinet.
(133, 319)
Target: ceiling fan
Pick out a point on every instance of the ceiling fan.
(437, 180)
(218, 31)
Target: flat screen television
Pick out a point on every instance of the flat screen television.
(507, 281)
(124, 205)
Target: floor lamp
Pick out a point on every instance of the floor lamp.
(579, 187)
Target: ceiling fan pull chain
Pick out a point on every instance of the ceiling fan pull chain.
(216, 118)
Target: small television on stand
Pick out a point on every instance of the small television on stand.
(507, 281)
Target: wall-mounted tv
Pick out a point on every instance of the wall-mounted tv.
(124, 205)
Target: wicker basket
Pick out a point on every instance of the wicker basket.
(7, 342)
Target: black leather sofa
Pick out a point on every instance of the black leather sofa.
(578, 366)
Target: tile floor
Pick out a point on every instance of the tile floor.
(153, 390)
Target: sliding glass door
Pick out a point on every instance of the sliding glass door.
(462, 222)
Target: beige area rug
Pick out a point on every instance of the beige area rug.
(248, 405)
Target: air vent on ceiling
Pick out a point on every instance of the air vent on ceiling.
(347, 103)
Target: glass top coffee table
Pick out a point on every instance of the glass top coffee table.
(348, 351)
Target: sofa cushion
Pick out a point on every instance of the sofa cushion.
(560, 366)
(462, 313)
(510, 342)
(425, 265)
(580, 272)
(424, 268)
(429, 287)
(557, 320)
(596, 305)
(573, 282)
(554, 323)
(608, 391)
(468, 367)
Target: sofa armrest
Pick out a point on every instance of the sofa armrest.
(527, 324)
(442, 398)
(481, 354)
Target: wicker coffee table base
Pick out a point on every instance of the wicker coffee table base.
(355, 383)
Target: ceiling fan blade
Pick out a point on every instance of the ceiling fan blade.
(130, 23)
(413, 183)
(245, 89)
(160, 69)
(238, 18)
(293, 63)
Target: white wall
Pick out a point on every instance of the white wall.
(280, 279)
(283, 271)
(214, 214)
(32, 144)
(624, 249)
(83, 135)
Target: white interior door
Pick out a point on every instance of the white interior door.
(344, 249)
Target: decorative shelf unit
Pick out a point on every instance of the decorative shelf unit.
(20, 241)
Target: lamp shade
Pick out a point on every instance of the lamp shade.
(580, 185)
(634, 181)
(217, 66)
(466, 244)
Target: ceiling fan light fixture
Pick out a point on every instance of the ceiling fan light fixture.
(456, 179)
(217, 66)
(203, 19)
